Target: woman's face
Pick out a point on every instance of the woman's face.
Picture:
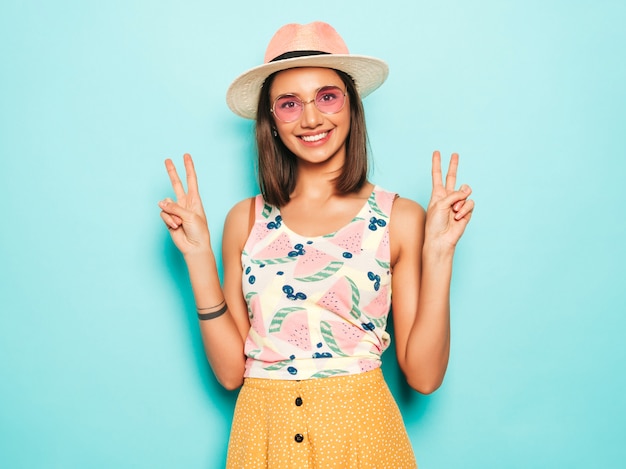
(314, 137)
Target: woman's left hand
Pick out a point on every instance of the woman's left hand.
(449, 210)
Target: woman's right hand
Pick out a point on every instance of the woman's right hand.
(185, 217)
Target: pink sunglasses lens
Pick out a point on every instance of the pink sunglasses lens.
(328, 100)
(288, 108)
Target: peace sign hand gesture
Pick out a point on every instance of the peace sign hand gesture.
(449, 210)
(185, 218)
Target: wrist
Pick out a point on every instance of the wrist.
(202, 267)
(437, 250)
(199, 257)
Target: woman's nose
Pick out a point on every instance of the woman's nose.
(311, 116)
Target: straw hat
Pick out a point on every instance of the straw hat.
(310, 45)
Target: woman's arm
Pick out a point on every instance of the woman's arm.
(223, 337)
(423, 247)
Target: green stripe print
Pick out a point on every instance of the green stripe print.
(326, 272)
(277, 260)
(267, 211)
(384, 265)
(327, 373)
(280, 316)
(355, 312)
(381, 323)
(374, 206)
(327, 334)
(249, 302)
(277, 365)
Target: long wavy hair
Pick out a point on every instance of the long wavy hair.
(277, 165)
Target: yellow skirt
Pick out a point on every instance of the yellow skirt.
(344, 422)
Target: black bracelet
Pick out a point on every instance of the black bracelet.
(212, 307)
(216, 314)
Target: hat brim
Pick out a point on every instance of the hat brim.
(368, 73)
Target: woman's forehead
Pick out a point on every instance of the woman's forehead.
(304, 80)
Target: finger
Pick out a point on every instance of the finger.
(169, 221)
(172, 221)
(452, 168)
(437, 176)
(175, 210)
(466, 211)
(455, 197)
(176, 219)
(457, 206)
(192, 180)
(177, 185)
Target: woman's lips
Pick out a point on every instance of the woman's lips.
(316, 138)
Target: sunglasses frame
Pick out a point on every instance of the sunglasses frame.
(304, 103)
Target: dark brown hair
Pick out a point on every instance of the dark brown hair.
(276, 165)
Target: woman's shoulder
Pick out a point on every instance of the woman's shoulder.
(407, 216)
(401, 206)
(406, 229)
(242, 207)
(240, 218)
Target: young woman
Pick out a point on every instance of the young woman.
(310, 265)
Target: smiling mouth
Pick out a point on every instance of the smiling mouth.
(314, 138)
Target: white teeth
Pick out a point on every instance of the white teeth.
(314, 138)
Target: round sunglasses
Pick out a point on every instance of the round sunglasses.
(328, 100)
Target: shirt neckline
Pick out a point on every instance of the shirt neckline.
(359, 214)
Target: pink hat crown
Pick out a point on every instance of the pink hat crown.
(315, 44)
(316, 36)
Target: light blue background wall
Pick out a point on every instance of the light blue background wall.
(100, 360)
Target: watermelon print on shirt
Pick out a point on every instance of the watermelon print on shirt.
(318, 306)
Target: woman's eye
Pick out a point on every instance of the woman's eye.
(328, 95)
(288, 103)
